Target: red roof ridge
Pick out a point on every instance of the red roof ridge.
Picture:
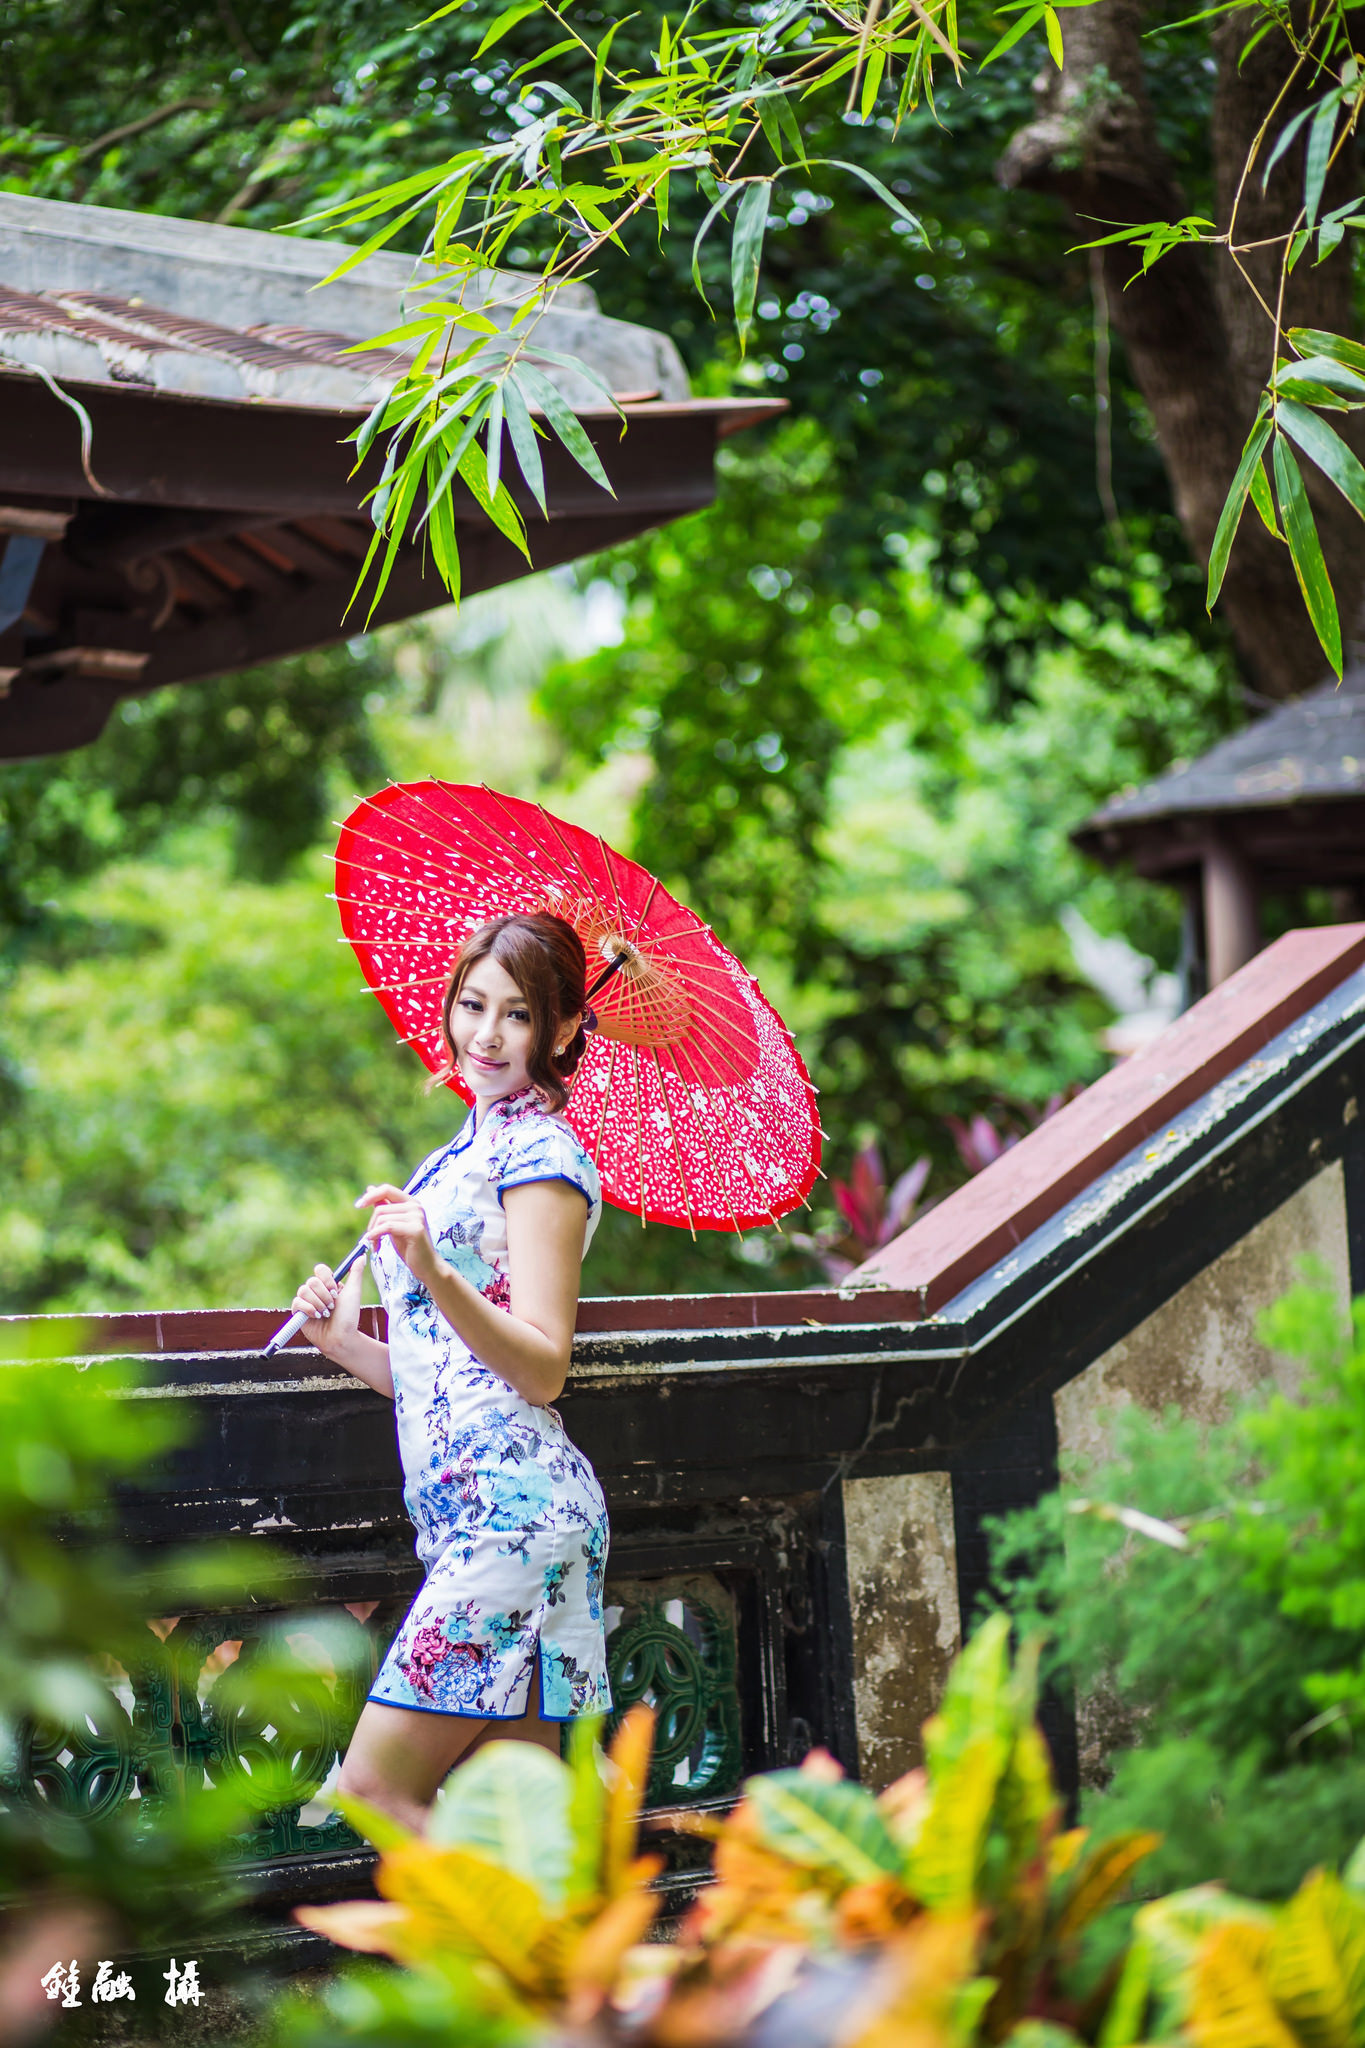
(981, 1223)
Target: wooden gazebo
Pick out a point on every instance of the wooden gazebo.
(212, 520)
(1278, 807)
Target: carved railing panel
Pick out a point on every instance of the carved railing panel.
(190, 1713)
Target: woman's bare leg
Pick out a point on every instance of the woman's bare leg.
(398, 1759)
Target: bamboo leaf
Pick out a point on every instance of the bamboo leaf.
(398, 510)
(525, 445)
(1262, 500)
(746, 254)
(719, 207)
(1230, 518)
(501, 509)
(376, 241)
(872, 82)
(445, 539)
(1054, 34)
(493, 446)
(1322, 370)
(1316, 341)
(1323, 445)
(791, 127)
(1329, 238)
(555, 50)
(454, 454)
(1012, 35)
(600, 63)
(875, 184)
(1318, 154)
(506, 21)
(1305, 552)
(1283, 140)
(566, 425)
(772, 127)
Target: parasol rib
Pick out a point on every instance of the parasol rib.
(475, 850)
(602, 1120)
(759, 1193)
(677, 1151)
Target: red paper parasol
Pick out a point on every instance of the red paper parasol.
(691, 1097)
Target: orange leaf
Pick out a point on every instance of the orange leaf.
(874, 1911)
(365, 1924)
(595, 1964)
(630, 1753)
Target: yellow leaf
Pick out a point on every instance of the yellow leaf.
(943, 1867)
(1231, 2005)
(456, 1900)
(1316, 1964)
(1100, 1878)
(364, 1924)
(630, 1753)
(1064, 1851)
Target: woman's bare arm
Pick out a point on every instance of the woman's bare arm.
(334, 1326)
(530, 1348)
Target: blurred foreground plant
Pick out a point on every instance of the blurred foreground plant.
(952, 1910)
(947, 1910)
(93, 1854)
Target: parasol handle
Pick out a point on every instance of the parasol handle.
(617, 964)
(357, 1251)
(297, 1321)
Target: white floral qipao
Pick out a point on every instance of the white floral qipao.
(511, 1522)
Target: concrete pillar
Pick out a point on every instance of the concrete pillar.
(1232, 933)
(902, 1594)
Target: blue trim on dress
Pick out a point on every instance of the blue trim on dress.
(532, 1179)
(454, 1714)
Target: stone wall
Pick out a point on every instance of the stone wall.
(1200, 1350)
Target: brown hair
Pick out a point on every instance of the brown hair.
(545, 958)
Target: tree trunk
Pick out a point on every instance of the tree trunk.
(1198, 342)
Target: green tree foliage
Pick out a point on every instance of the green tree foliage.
(1222, 1657)
(265, 750)
(849, 752)
(835, 786)
(951, 373)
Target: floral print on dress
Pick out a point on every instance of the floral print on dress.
(510, 1519)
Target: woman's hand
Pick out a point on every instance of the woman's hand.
(404, 1222)
(333, 1312)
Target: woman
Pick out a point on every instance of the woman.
(480, 1280)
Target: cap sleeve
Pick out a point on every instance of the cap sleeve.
(542, 1148)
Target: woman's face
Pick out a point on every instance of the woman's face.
(490, 1028)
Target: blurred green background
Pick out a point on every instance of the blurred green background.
(849, 713)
